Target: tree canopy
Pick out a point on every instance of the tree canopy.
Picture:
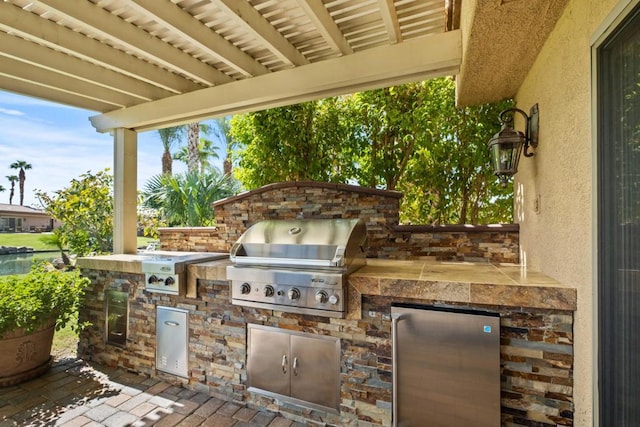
(410, 138)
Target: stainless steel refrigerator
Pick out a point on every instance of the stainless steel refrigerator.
(446, 367)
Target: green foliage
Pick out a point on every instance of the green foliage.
(448, 178)
(185, 199)
(308, 141)
(42, 295)
(394, 121)
(411, 138)
(55, 238)
(85, 209)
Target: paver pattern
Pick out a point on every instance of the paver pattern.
(73, 393)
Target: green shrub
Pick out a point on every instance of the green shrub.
(42, 295)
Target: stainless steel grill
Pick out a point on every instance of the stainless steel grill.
(298, 266)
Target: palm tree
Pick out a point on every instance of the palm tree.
(186, 199)
(223, 132)
(22, 165)
(2, 189)
(12, 179)
(169, 137)
(206, 150)
(193, 140)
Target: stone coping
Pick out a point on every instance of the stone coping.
(313, 184)
(508, 285)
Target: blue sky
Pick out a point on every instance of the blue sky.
(60, 144)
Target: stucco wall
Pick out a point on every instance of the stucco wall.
(557, 239)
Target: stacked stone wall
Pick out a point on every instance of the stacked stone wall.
(536, 352)
(378, 208)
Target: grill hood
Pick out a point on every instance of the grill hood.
(316, 243)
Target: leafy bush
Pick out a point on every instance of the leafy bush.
(42, 295)
(85, 209)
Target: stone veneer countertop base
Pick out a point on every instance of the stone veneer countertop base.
(507, 285)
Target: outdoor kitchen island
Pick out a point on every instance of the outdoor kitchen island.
(536, 320)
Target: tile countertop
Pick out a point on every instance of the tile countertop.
(132, 263)
(507, 285)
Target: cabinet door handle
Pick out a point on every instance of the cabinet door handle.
(295, 366)
(284, 364)
(395, 318)
(170, 323)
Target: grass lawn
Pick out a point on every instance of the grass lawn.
(32, 240)
(65, 342)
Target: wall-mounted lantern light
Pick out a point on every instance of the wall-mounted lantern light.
(505, 146)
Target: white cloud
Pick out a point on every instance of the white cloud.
(11, 112)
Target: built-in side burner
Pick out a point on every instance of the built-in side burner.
(165, 272)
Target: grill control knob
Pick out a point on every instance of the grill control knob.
(268, 291)
(245, 288)
(293, 294)
(169, 281)
(333, 299)
(322, 297)
(153, 279)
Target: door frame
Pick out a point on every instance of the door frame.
(610, 24)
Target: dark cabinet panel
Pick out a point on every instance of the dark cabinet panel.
(117, 318)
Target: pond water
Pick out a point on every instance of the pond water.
(21, 263)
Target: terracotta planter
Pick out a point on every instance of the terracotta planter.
(23, 357)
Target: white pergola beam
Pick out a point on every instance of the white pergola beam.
(44, 57)
(135, 39)
(390, 19)
(25, 24)
(326, 26)
(250, 18)
(10, 84)
(427, 57)
(198, 34)
(31, 73)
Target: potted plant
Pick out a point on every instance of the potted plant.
(32, 306)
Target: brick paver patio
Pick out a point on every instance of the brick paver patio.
(74, 393)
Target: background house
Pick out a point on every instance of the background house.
(16, 219)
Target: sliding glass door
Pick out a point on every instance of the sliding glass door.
(618, 94)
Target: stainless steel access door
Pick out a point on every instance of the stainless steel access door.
(446, 367)
(172, 332)
(296, 367)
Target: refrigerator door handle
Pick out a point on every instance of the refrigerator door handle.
(395, 318)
